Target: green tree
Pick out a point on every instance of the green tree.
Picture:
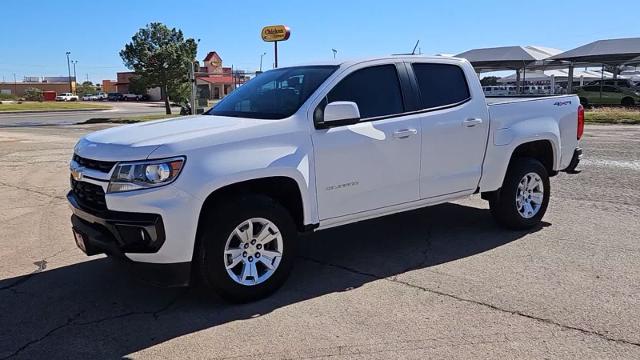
(137, 85)
(180, 92)
(33, 94)
(160, 56)
(489, 80)
(86, 88)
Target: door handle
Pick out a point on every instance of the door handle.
(404, 133)
(472, 122)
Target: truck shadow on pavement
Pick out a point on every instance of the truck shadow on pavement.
(96, 309)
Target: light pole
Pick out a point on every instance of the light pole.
(261, 56)
(69, 69)
(334, 52)
(74, 62)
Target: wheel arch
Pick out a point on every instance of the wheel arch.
(284, 189)
(543, 148)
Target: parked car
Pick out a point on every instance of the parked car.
(66, 97)
(89, 97)
(625, 83)
(611, 95)
(224, 195)
(131, 97)
(114, 97)
(101, 96)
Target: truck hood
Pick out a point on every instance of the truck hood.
(138, 141)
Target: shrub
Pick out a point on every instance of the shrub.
(7, 96)
(33, 94)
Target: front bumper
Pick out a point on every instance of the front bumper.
(116, 233)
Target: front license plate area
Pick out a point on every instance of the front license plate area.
(80, 240)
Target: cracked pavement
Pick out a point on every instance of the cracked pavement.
(441, 282)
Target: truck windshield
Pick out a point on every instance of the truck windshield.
(275, 94)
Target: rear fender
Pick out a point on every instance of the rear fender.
(504, 141)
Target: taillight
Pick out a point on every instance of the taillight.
(580, 121)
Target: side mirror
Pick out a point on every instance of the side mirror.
(340, 113)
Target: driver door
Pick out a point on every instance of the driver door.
(374, 163)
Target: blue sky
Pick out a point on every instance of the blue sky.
(34, 35)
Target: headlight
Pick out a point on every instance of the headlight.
(145, 174)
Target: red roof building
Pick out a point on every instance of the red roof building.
(216, 81)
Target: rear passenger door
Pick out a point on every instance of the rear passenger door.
(454, 122)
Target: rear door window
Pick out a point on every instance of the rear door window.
(441, 84)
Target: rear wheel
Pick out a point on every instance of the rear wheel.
(247, 248)
(628, 102)
(522, 201)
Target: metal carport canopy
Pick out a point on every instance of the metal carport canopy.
(611, 52)
(505, 57)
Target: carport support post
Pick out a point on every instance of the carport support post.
(553, 84)
(570, 80)
(517, 81)
(601, 81)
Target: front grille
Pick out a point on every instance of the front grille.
(89, 195)
(103, 166)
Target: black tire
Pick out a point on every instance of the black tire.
(503, 205)
(584, 102)
(628, 102)
(221, 221)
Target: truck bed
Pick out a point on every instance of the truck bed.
(512, 99)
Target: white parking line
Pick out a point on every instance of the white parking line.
(624, 164)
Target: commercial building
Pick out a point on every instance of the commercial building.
(215, 81)
(57, 84)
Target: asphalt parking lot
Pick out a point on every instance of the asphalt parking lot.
(441, 282)
(54, 118)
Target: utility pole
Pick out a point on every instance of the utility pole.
(69, 69)
(15, 84)
(261, 56)
(194, 89)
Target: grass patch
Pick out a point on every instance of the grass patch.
(49, 106)
(129, 119)
(611, 115)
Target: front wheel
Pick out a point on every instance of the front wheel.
(247, 248)
(523, 199)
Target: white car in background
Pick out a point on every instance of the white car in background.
(67, 97)
(89, 97)
(131, 97)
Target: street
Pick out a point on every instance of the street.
(441, 282)
(118, 109)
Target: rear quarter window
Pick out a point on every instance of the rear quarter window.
(441, 84)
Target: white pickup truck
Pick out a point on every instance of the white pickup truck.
(223, 195)
(67, 97)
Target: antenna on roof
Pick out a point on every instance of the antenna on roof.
(413, 52)
(415, 47)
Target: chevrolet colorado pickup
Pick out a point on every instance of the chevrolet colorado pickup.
(221, 197)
